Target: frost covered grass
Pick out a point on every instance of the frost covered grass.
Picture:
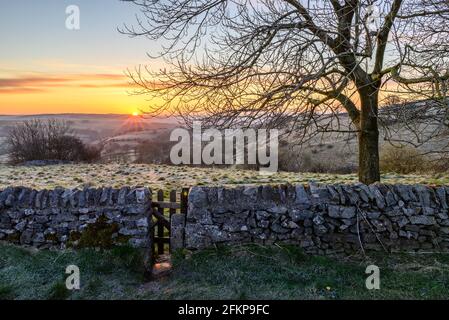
(174, 177)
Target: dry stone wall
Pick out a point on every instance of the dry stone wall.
(323, 219)
(61, 217)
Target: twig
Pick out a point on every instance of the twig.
(358, 235)
(371, 227)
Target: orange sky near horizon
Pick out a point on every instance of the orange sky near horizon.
(69, 93)
(91, 93)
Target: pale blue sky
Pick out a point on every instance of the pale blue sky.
(33, 31)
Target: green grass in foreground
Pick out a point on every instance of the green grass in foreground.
(246, 272)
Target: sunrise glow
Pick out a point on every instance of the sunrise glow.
(55, 70)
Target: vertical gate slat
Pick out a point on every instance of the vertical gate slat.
(173, 200)
(172, 210)
(184, 204)
(184, 200)
(160, 230)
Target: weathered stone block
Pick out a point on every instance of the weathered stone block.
(341, 212)
(424, 220)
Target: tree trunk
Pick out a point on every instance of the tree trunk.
(369, 171)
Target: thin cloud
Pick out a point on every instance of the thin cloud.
(36, 84)
(109, 85)
(32, 81)
(21, 90)
(102, 76)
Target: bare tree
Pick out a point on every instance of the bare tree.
(47, 140)
(294, 63)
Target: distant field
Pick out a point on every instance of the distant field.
(173, 177)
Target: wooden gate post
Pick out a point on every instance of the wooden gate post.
(160, 226)
(184, 200)
(148, 259)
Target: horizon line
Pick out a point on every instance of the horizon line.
(75, 113)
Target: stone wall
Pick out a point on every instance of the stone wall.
(321, 219)
(64, 217)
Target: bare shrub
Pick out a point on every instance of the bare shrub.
(296, 159)
(155, 152)
(289, 159)
(46, 140)
(310, 162)
(92, 153)
(403, 160)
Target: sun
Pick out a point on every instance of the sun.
(135, 113)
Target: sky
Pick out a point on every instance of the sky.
(47, 68)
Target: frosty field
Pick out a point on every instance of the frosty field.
(174, 177)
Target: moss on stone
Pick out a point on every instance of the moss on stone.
(122, 239)
(98, 234)
(51, 237)
(74, 237)
(13, 237)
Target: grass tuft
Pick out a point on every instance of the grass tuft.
(59, 291)
(6, 292)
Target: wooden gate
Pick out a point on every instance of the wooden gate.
(162, 211)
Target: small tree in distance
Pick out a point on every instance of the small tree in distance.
(295, 63)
